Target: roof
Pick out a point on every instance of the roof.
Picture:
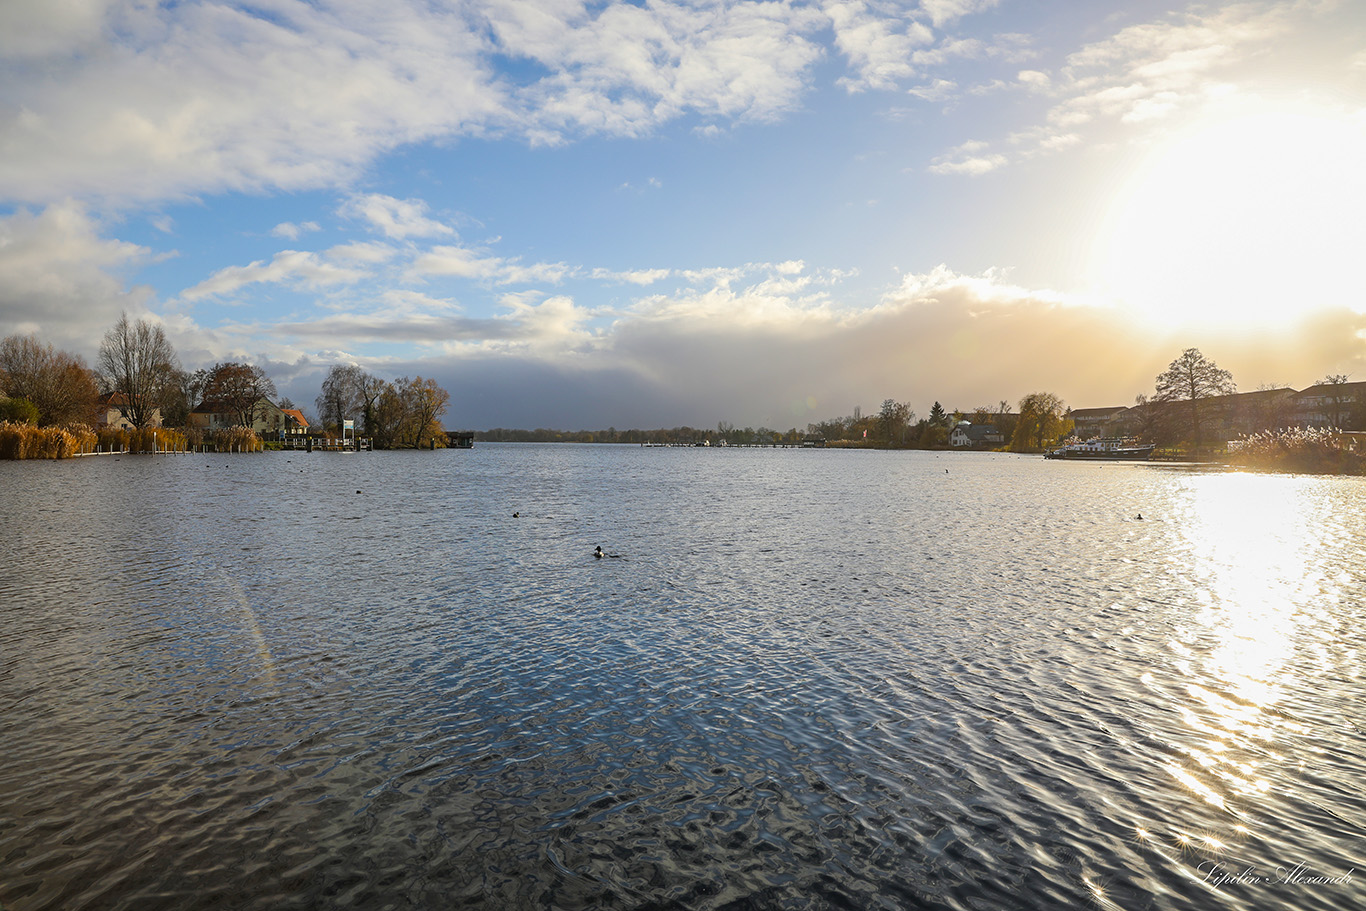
(975, 432)
(1235, 397)
(297, 415)
(1111, 411)
(1328, 390)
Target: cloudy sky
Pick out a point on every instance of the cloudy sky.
(582, 215)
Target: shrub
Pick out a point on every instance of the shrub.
(18, 411)
(24, 441)
(112, 439)
(83, 439)
(155, 439)
(235, 439)
(1298, 449)
(14, 440)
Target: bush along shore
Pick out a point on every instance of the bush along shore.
(20, 440)
(25, 441)
(1304, 450)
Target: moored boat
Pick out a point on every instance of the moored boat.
(1103, 449)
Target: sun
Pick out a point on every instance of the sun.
(1251, 221)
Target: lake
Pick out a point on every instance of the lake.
(809, 679)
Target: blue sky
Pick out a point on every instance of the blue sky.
(589, 215)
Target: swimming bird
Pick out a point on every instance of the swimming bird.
(599, 553)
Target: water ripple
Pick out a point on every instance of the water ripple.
(812, 680)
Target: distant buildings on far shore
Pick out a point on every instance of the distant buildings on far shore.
(1340, 406)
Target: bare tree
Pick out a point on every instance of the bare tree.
(1189, 379)
(137, 361)
(340, 395)
(239, 389)
(370, 389)
(386, 416)
(58, 384)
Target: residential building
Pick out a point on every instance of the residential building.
(1339, 405)
(1088, 423)
(967, 435)
(109, 414)
(269, 420)
(1227, 417)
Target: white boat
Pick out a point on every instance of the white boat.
(1104, 449)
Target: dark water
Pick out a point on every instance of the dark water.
(811, 680)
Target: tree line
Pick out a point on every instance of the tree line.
(138, 374)
(402, 413)
(1178, 413)
(139, 371)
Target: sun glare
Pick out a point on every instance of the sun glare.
(1251, 222)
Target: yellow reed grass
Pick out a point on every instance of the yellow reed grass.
(24, 441)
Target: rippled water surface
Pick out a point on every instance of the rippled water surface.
(811, 679)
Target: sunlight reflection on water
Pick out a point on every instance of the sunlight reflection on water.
(1264, 653)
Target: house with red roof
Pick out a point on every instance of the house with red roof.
(270, 421)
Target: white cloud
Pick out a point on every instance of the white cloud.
(937, 91)
(150, 101)
(295, 268)
(464, 262)
(555, 321)
(633, 277)
(949, 50)
(395, 218)
(59, 277)
(877, 47)
(1152, 71)
(1140, 76)
(628, 69)
(942, 12)
(970, 158)
(291, 231)
(456, 262)
(361, 252)
(194, 98)
(36, 29)
(406, 301)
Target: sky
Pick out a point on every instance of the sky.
(650, 214)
